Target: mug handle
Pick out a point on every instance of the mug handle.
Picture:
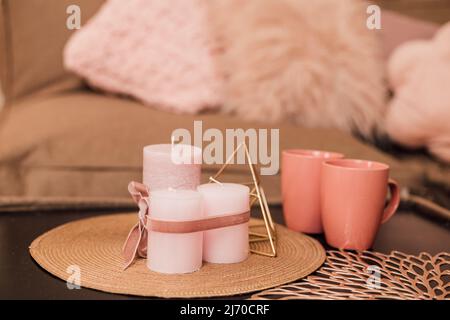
(393, 203)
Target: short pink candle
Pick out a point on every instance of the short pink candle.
(160, 171)
(174, 252)
(229, 244)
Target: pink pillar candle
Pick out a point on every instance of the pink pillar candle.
(174, 252)
(229, 244)
(167, 166)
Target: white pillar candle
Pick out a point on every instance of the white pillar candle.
(167, 166)
(175, 252)
(229, 244)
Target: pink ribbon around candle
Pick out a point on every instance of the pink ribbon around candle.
(136, 242)
(189, 226)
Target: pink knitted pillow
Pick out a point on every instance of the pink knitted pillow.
(156, 51)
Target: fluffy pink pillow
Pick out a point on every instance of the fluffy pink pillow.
(159, 52)
(314, 63)
(419, 114)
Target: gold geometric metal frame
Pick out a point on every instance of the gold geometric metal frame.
(256, 195)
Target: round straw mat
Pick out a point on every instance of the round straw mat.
(94, 245)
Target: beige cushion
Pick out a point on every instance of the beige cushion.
(82, 144)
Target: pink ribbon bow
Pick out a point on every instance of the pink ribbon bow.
(136, 242)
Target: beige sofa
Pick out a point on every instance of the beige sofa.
(63, 145)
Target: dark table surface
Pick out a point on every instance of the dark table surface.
(21, 278)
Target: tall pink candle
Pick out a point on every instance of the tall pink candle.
(174, 252)
(229, 244)
(166, 166)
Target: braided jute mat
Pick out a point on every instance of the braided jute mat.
(93, 246)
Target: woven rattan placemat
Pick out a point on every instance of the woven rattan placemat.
(93, 246)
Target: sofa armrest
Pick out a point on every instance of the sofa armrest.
(32, 36)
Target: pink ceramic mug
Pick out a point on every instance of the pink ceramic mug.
(353, 194)
(300, 185)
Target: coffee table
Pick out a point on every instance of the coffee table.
(21, 278)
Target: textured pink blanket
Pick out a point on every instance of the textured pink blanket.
(419, 114)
